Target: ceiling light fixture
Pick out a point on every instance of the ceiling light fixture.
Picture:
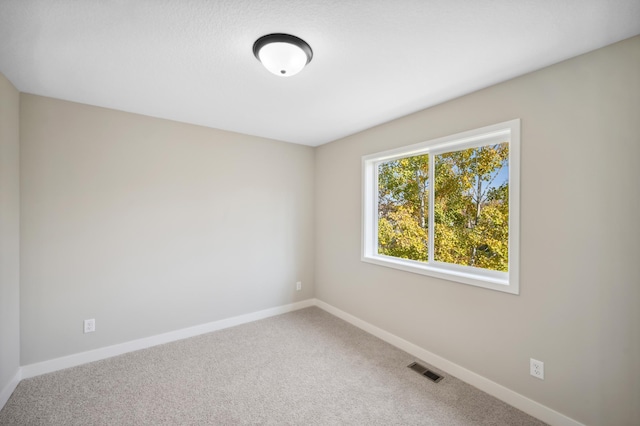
(282, 54)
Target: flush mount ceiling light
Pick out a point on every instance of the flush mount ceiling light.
(282, 54)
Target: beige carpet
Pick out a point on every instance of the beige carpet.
(305, 368)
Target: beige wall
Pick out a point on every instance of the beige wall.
(149, 225)
(578, 310)
(9, 233)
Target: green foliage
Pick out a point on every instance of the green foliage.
(471, 213)
(403, 195)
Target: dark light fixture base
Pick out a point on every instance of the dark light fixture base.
(282, 38)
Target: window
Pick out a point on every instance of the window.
(447, 208)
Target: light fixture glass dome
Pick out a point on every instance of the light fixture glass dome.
(282, 54)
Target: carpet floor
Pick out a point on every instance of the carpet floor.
(302, 368)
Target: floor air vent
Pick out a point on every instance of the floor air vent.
(434, 377)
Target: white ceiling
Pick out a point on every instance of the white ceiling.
(374, 60)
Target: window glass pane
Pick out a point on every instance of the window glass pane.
(471, 211)
(403, 210)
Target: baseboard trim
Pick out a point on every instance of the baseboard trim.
(512, 398)
(10, 387)
(56, 364)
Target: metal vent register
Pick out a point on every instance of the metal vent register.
(422, 370)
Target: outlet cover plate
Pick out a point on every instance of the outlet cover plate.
(536, 368)
(89, 325)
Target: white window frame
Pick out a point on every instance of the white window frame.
(496, 280)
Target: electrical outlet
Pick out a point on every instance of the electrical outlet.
(89, 325)
(536, 368)
(299, 285)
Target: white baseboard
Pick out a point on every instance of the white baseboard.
(56, 364)
(512, 398)
(521, 402)
(10, 387)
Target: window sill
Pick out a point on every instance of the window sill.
(493, 280)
